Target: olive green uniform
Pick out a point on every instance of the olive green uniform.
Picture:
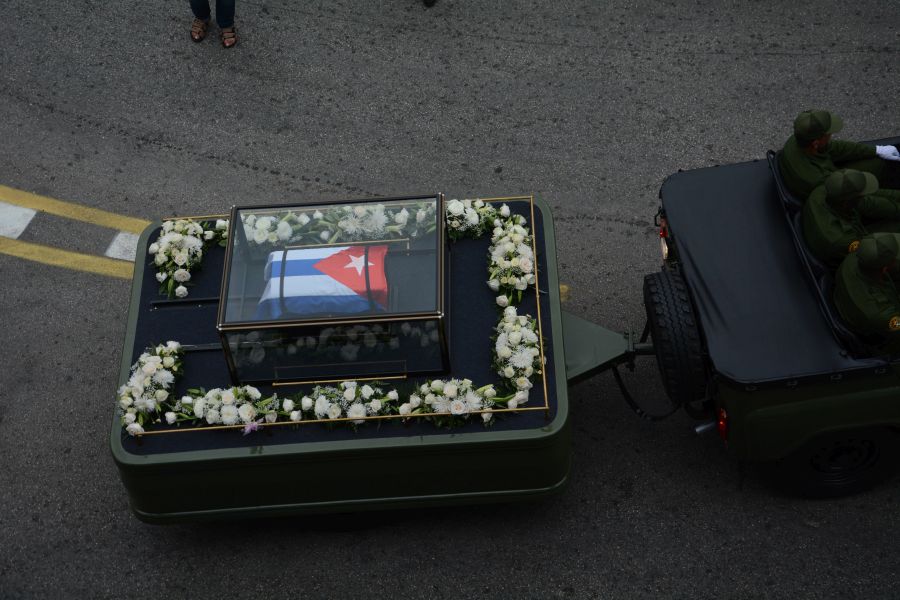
(803, 172)
(870, 306)
(831, 236)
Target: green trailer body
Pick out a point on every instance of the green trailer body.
(442, 467)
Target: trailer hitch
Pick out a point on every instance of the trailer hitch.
(591, 349)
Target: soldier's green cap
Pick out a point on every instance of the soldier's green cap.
(812, 124)
(877, 251)
(847, 184)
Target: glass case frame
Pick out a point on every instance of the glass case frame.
(436, 319)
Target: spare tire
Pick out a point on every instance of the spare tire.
(676, 337)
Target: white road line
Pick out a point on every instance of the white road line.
(123, 246)
(14, 219)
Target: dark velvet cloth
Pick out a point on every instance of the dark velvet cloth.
(472, 315)
(758, 312)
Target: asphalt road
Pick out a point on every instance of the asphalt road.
(588, 105)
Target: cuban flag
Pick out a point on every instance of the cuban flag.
(324, 281)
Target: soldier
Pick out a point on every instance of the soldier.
(865, 295)
(842, 211)
(810, 155)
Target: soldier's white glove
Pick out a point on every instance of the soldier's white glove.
(887, 152)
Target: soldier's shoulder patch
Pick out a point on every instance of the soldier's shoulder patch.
(853, 246)
(894, 323)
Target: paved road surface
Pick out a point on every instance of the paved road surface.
(587, 104)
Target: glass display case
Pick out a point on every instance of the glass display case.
(335, 291)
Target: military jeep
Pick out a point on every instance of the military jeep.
(747, 337)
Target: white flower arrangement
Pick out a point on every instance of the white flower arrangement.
(517, 352)
(349, 400)
(469, 218)
(179, 249)
(242, 405)
(340, 224)
(148, 387)
(512, 269)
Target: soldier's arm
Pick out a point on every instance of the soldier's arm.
(884, 205)
(845, 151)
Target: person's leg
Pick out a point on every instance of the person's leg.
(224, 13)
(200, 9)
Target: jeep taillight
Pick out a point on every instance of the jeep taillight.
(722, 423)
(663, 236)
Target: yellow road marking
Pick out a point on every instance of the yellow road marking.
(69, 210)
(66, 259)
(564, 292)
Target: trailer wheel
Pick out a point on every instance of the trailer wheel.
(676, 337)
(840, 463)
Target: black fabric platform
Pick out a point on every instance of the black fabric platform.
(758, 312)
(472, 316)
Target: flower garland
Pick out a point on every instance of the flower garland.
(147, 389)
(516, 355)
(179, 249)
(340, 224)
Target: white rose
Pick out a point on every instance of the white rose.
(287, 405)
(229, 414)
(271, 417)
(263, 223)
(208, 235)
(520, 284)
(523, 383)
(437, 386)
(199, 407)
(187, 401)
(494, 285)
(515, 337)
(134, 429)
(153, 249)
(334, 411)
(221, 224)
(415, 401)
(303, 219)
(161, 395)
(393, 395)
(455, 208)
(349, 394)
(306, 403)
(212, 416)
(284, 231)
(490, 392)
(521, 397)
(227, 397)
(160, 259)
(325, 235)
(375, 405)
(260, 236)
(181, 275)
(401, 217)
(512, 403)
(458, 407)
(161, 276)
(247, 412)
(318, 215)
(450, 390)
(295, 415)
(168, 362)
(508, 372)
(129, 418)
(504, 211)
(367, 392)
(525, 264)
(181, 291)
(405, 408)
(471, 217)
(502, 301)
(504, 352)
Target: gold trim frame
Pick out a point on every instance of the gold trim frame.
(539, 319)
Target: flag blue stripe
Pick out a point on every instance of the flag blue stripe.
(294, 267)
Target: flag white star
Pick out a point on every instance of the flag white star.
(358, 263)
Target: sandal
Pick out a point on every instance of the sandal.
(229, 37)
(198, 29)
